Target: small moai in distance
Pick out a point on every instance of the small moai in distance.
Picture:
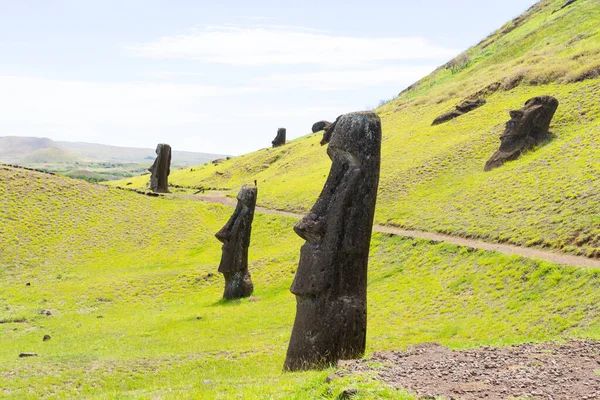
(320, 125)
(235, 236)
(280, 138)
(160, 169)
(331, 280)
(527, 128)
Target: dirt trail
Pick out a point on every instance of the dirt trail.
(564, 259)
(544, 371)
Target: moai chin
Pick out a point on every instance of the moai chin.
(235, 236)
(280, 138)
(331, 281)
(160, 169)
(526, 128)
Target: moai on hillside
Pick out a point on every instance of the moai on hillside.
(527, 128)
(280, 138)
(160, 170)
(235, 237)
(331, 281)
(320, 125)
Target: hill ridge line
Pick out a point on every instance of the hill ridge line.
(527, 252)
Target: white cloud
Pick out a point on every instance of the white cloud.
(328, 80)
(277, 45)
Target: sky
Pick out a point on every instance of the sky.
(218, 76)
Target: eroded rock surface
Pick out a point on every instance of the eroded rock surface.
(331, 280)
(461, 109)
(280, 138)
(235, 236)
(527, 128)
(160, 169)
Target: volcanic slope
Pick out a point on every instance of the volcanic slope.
(126, 287)
(432, 176)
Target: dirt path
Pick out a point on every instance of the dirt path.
(543, 371)
(564, 259)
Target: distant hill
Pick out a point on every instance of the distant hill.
(27, 150)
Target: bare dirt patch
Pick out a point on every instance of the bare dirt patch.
(529, 371)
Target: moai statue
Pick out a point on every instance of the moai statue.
(160, 170)
(280, 138)
(331, 281)
(235, 237)
(527, 128)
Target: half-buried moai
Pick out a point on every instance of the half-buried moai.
(280, 138)
(160, 170)
(235, 237)
(527, 128)
(331, 281)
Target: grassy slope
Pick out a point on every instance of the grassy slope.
(432, 177)
(143, 265)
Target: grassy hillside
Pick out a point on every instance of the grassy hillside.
(432, 176)
(135, 310)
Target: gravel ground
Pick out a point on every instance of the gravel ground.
(530, 371)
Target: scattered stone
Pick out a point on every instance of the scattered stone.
(331, 280)
(280, 138)
(461, 109)
(207, 382)
(100, 316)
(46, 312)
(28, 284)
(46, 338)
(160, 169)
(199, 317)
(235, 236)
(321, 125)
(23, 355)
(527, 128)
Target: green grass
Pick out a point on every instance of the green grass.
(432, 177)
(127, 276)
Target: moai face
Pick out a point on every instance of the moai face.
(330, 284)
(526, 128)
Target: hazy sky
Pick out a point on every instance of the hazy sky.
(218, 76)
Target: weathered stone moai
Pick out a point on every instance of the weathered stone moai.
(320, 126)
(280, 138)
(235, 237)
(527, 128)
(331, 281)
(160, 170)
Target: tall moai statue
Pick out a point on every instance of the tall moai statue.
(235, 237)
(527, 128)
(280, 138)
(331, 281)
(160, 170)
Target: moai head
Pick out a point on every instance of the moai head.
(526, 128)
(160, 169)
(280, 138)
(235, 236)
(330, 284)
